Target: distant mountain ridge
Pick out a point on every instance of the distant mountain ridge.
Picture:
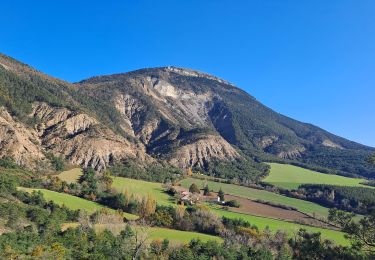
(167, 115)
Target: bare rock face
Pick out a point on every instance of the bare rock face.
(292, 153)
(267, 141)
(194, 73)
(131, 109)
(331, 144)
(186, 106)
(18, 141)
(61, 119)
(97, 149)
(199, 153)
(181, 107)
(81, 139)
(175, 111)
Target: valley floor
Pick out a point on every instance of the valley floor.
(256, 212)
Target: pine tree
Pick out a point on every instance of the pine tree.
(206, 190)
(221, 195)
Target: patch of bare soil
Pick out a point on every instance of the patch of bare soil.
(264, 210)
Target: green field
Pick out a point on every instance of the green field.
(142, 189)
(70, 176)
(245, 192)
(290, 177)
(289, 227)
(158, 233)
(73, 202)
(154, 233)
(179, 236)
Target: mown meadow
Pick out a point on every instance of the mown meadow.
(73, 202)
(291, 177)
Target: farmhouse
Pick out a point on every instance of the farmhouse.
(189, 198)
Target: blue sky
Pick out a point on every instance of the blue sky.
(311, 60)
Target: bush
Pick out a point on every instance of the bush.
(206, 221)
(206, 191)
(172, 191)
(163, 216)
(233, 204)
(194, 188)
(221, 195)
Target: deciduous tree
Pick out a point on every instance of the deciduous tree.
(147, 206)
(107, 180)
(206, 190)
(194, 188)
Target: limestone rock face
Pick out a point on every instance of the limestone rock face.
(203, 151)
(331, 144)
(292, 153)
(19, 142)
(163, 119)
(81, 139)
(184, 106)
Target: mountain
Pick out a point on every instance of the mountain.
(166, 115)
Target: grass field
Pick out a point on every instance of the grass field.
(142, 188)
(70, 176)
(245, 192)
(179, 236)
(73, 202)
(289, 227)
(290, 177)
(155, 233)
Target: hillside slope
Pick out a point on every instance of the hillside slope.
(178, 116)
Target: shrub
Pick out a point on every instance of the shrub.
(233, 203)
(163, 216)
(206, 191)
(206, 221)
(172, 191)
(194, 188)
(221, 195)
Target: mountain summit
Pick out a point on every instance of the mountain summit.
(166, 115)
